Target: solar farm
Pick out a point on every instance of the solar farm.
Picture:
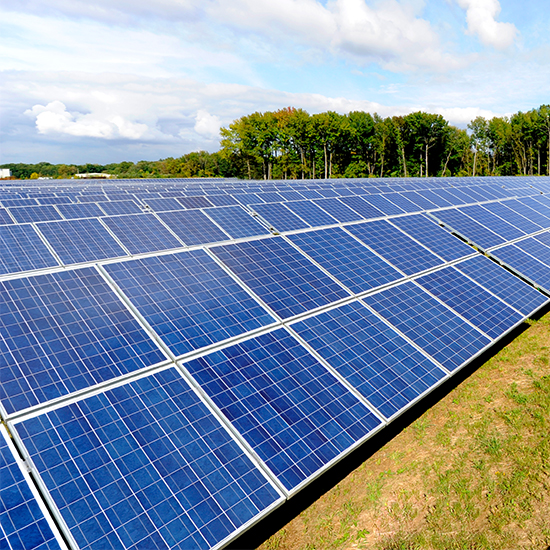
(180, 357)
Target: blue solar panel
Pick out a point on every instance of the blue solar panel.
(474, 303)
(222, 200)
(493, 222)
(279, 217)
(22, 522)
(163, 205)
(428, 323)
(363, 208)
(517, 220)
(30, 214)
(92, 198)
(63, 332)
(79, 210)
(384, 205)
(195, 202)
(21, 249)
(18, 202)
(114, 208)
(311, 213)
(352, 263)
(372, 357)
(145, 465)
(280, 275)
(395, 246)
(77, 241)
(236, 222)
(338, 210)
(538, 206)
(141, 233)
(188, 299)
(449, 197)
(294, 414)
(434, 198)
(536, 248)
(5, 218)
(403, 202)
(468, 228)
(524, 263)
(193, 227)
(530, 212)
(543, 238)
(506, 286)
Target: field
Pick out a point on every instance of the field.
(468, 468)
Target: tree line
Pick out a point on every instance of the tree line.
(292, 144)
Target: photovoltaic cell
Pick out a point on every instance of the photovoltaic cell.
(193, 227)
(294, 414)
(524, 263)
(163, 205)
(540, 207)
(449, 197)
(434, 198)
(419, 200)
(188, 299)
(338, 210)
(501, 282)
(469, 228)
(22, 522)
(21, 249)
(398, 248)
(402, 202)
(115, 208)
(494, 223)
(280, 275)
(372, 357)
(473, 302)
(536, 248)
(312, 214)
(63, 332)
(5, 218)
(384, 205)
(77, 241)
(363, 208)
(530, 212)
(428, 323)
(30, 214)
(195, 202)
(142, 233)
(144, 466)
(434, 237)
(80, 210)
(223, 200)
(236, 222)
(279, 217)
(517, 220)
(352, 263)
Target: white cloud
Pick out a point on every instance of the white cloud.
(55, 119)
(481, 18)
(207, 125)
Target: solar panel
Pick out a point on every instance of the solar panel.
(521, 222)
(494, 223)
(115, 208)
(141, 233)
(434, 198)
(77, 241)
(80, 210)
(468, 299)
(195, 202)
(163, 205)
(394, 245)
(223, 200)
(372, 357)
(363, 208)
(432, 236)
(280, 275)
(145, 465)
(21, 249)
(524, 263)
(188, 299)
(338, 210)
(506, 286)
(384, 205)
(468, 228)
(536, 248)
(352, 263)
(532, 214)
(30, 214)
(279, 217)
(402, 202)
(5, 218)
(449, 197)
(63, 332)
(294, 414)
(193, 227)
(428, 323)
(312, 214)
(236, 222)
(23, 524)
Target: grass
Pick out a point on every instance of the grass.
(471, 473)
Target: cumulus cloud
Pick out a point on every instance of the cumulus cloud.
(481, 18)
(207, 125)
(54, 118)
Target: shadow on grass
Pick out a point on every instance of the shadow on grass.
(266, 528)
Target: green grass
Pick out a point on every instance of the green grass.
(472, 473)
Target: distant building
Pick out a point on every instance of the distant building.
(94, 175)
(5, 173)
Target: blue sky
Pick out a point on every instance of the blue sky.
(115, 80)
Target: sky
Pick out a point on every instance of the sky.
(128, 80)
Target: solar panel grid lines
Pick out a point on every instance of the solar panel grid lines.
(25, 522)
(277, 217)
(521, 222)
(146, 464)
(493, 222)
(338, 210)
(311, 213)
(193, 227)
(294, 413)
(236, 221)
(369, 356)
(433, 326)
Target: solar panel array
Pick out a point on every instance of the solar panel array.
(179, 357)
